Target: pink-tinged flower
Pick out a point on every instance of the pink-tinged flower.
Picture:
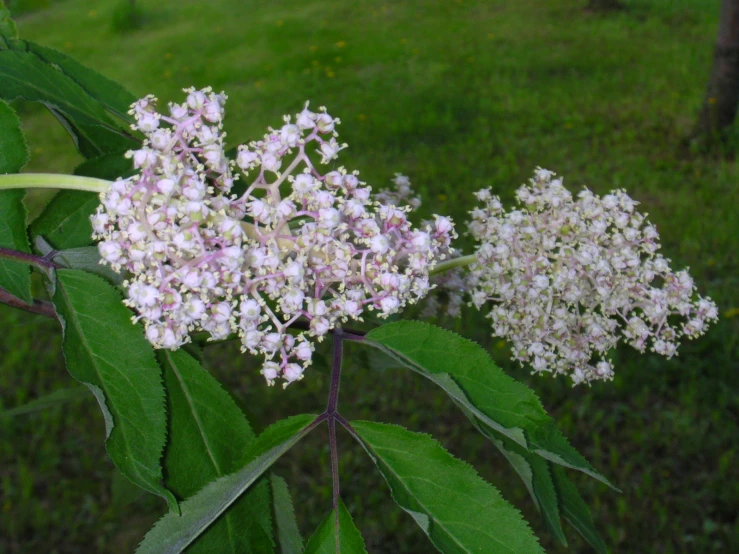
(297, 244)
(568, 278)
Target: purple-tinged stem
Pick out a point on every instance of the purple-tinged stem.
(333, 396)
(333, 401)
(40, 307)
(334, 476)
(348, 426)
(43, 262)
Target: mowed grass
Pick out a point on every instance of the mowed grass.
(459, 95)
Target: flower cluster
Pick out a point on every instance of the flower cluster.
(570, 277)
(296, 244)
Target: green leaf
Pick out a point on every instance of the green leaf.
(174, 533)
(56, 398)
(7, 25)
(468, 374)
(13, 148)
(25, 75)
(110, 94)
(325, 540)
(65, 221)
(15, 277)
(109, 354)
(286, 526)
(122, 491)
(535, 472)
(86, 258)
(92, 140)
(455, 507)
(107, 166)
(208, 437)
(575, 510)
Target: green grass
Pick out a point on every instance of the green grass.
(459, 95)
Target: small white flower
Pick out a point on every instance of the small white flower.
(292, 372)
(389, 305)
(304, 351)
(245, 159)
(379, 244)
(270, 370)
(110, 251)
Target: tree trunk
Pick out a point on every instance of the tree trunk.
(722, 96)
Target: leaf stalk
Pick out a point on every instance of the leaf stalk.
(53, 181)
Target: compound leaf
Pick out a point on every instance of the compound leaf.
(575, 510)
(174, 533)
(286, 526)
(208, 437)
(14, 152)
(113, 96)
(65, 221)
(468, 374)
(15, 277)
(326, 540)
(104, 350)
(455, 507)
(535, 472)
(24, 75)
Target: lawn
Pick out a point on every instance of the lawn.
(459, 95)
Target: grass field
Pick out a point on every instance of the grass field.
(459, 95)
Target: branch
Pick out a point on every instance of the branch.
(40, 307)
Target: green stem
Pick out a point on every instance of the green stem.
(454, 262)
(52, 181)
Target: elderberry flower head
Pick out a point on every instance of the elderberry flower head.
(296, 244)
(569, 278)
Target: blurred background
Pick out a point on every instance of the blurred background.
(458, 95)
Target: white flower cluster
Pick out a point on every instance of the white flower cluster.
(204, 259)
(570, 277)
